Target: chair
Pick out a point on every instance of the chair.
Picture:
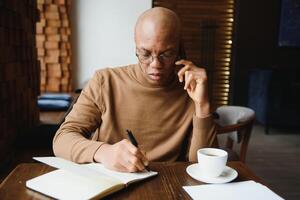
(236, 122)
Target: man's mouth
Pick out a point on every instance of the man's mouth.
(156, 76)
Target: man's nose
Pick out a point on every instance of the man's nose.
(156, 63)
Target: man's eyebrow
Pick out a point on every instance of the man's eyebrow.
(168, 49)
(142, 49)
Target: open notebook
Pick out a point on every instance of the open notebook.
(81, 181)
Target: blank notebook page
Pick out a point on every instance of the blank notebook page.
(62, 184)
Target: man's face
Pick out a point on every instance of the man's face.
(157, 53)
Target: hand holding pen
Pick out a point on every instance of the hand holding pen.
(122, 156)
(134, 142)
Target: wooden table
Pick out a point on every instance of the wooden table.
(167, 185)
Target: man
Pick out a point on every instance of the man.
(163, 100)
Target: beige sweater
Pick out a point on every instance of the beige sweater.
(161, 118)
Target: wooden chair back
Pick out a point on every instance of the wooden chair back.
(242, 128)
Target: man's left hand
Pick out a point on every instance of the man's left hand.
(195, 83)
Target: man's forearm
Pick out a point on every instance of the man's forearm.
(75, 147)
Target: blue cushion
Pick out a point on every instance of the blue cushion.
(56, 96)
(53, 104)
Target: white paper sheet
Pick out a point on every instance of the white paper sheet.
(246, 190)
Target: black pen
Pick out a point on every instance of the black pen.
(134, 142)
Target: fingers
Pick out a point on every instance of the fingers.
(144, 158)
(137, 152)
(119, 167)
(183, 62)
(121, 156)
(189, 80)
(135, 164)
(134, 159)
(192, 78)
(187, 66)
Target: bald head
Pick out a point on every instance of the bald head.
(158, 22)
(157, 35)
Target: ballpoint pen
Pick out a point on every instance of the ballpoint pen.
(134, 142)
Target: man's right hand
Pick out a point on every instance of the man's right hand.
(121, 156)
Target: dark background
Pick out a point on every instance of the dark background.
(289, 23)
(256, 45)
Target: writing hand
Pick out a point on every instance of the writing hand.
(121, 156)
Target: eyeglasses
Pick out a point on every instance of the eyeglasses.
(166, 57)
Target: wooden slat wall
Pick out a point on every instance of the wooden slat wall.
(53, 44)
(19, 72)
(207, 36)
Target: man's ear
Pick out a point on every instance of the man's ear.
(181, 54)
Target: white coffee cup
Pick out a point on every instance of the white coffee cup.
(211, 161)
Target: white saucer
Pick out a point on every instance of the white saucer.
(227, 175)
